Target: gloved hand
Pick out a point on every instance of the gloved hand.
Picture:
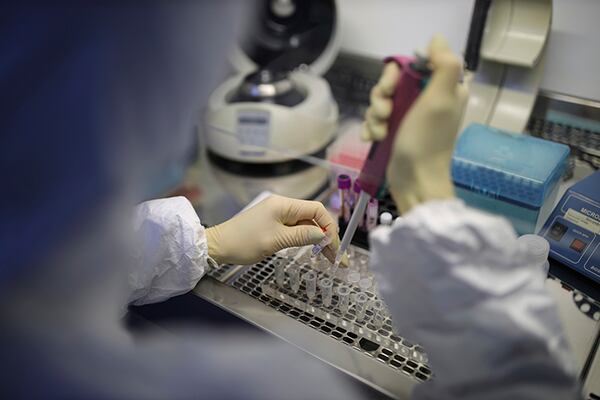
(419, 168)
(273, 224)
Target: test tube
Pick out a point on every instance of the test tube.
(361, 301)
(344, 184)
(380, 313)
(363, 265)
(365, 283)
(326, 286)
(279, 272)
(343, 293)
(294, 274)
(310, 280)
(317, 248)
(321, 263)
(371, 214)
(353, 278)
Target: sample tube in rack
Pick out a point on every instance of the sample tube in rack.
(343, 293)
(353, 278)
(361, 302)
(366, 283)
(305, 257)
(310, 280)
(294, 274)
(279, 272)
(362, 263)
(326, 286)
(380, 313)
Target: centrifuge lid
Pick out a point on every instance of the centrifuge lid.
(291, 33)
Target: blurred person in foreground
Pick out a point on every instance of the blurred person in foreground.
(99, 99)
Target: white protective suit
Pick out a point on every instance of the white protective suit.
(457, 282)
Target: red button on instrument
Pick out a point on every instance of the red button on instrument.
(578, 245)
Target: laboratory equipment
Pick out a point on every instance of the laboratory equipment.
(361, 237)
(317, 248)
(538, 248)
(372, 175)
(365, 283)
(386, 218)
(330, 332)
(343, 293)
(348, 152)
(361, 304)
(355, 195)
(294, 274)
(509, 174)
(344, 183)
(363, 266)
(320, 263)
(573, 228)
(310, 281)
(353, 278)
(277, 106)
(371, 216)
(326, 286)
(279, 272)
(380, 313)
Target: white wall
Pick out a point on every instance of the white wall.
(382, 27)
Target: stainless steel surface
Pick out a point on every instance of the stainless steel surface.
(375, 356)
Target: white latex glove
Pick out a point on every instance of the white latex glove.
(419, 168)
(273, 224)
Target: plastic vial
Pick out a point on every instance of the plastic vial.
(321, 263)
(343, 293)
(344, 184)
(538, 248)
(361, 302)
(363, 266)
(380, 313)
(279, 273)
(386, 218)
(365, 283)
(326, 286)
(305, 257)
(371, 214)
(310, 280)
(294, 274)
(353, 278)
(317, 248)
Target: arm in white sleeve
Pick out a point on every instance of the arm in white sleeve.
(458, 283)
(170, 253)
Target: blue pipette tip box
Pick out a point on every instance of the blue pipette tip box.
(514, 175)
